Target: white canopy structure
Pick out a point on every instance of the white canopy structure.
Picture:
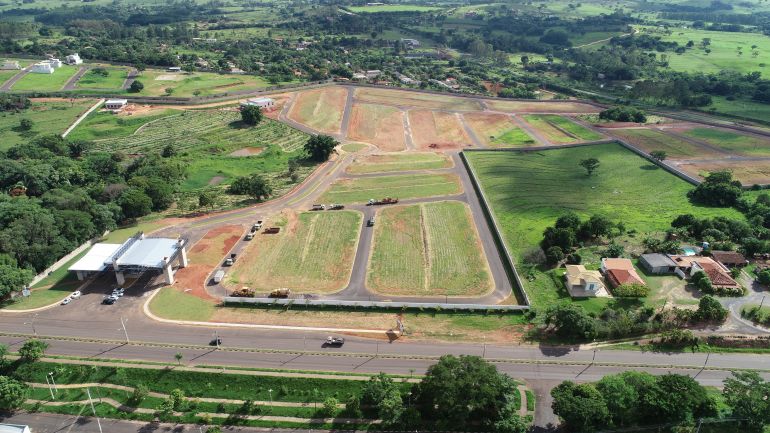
(136, 255)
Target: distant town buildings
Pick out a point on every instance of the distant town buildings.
(407, 80)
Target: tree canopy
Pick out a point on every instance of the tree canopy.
(320, 147)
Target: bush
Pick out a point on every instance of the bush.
(574, 259)
(329, 409)
(136, 87)
(623, 114)
(633, 290)
(678, 338)
(710, 310)
(554, 255)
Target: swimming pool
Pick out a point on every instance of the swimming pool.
(689, 251)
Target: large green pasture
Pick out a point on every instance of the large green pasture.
(742, 108)
(360, 190)
(651, 140)
(113, 80)
(528, 191)
(731, 141)
(199, 83)
(47, 118)
(106, 125)
(45, 82)
(578, 131)
(724, 53)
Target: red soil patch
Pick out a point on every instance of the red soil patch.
(380, 125)
(247, 151)
(206, 255)
(437, 130)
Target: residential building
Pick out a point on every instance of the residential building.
(657, 263)
(620, 271)
(410, 43)
(373, 73)
(719, 275)
(56, 63)
(73, 59)
(263, 103)
(730, 259)
(10, 65)
(174, 69)
(115, 104)
(359, 76)
(582, 283)
(42, 68)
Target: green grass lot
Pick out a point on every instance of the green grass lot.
(724, 51)
(742, 108)
(146, 225)
(651, 140)
(47, 118)
(45, 82)
(389, 162)
(427, 249)
(578, 131)
(544, 125)
(105, 125)
(7, 75)
(513, 137)
(391, 8)
(205, 83)
(312, 254)
(354, 147)
(113, 80)
(172, 304)
(400, 186)
(731, 141)
(528, 191)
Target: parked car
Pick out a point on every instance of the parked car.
(118, 293)
(215, 342)
(66, 300)
(370, 223)
(76, 294)
(109, 300)
(334, 341)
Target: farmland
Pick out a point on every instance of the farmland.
(45, 82)
(400, 186)
(113, 80)
(497, 130)
(48, 117)
(651, 140)
(437, 130)
(427, 249)
(732, 142)
(550, 131)
(400, 98)
(321, 109)
(541, 107)
(389, 162)
(380, 125)
(313, 253)
(198, 84)
(528, 191)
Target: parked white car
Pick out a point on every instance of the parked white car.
(66, 300)
(76, 294)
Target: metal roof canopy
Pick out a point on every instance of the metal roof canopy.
(139, 252)
(94, 260)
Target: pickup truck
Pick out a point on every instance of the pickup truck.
(257, 225)
(249, 236)
(231, 260)
(218, 276)
(334, 341)
(318, 207)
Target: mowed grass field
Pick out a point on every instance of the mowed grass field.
(105, 125)
(529, 191)
(549, 130)
(313, 253)
(651, 140)
(196, 84)
(498, 130)
(402, 98)
(542, 107)
(429, 249)
(571, 128)
(742, 108)
(45, 82)
(48, 117)
(389, 162)
(320, 109)
(360, 190)
(391, 8)
(380, 125)
(748, 145)
(113, 80)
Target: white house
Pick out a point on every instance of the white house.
(115, 104)
(42, 68)
(263, 103)
(373, 73)
(10, 65)
(174, 69)
(73, 59)
(56, 63)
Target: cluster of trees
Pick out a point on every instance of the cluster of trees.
(13, 392)
(10, 102)
(717, 189)
(631, 398)
(570, 231)
(721, 232)
(624, 114)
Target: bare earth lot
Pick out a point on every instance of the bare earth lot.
(390, 162)
(401, 98)
(433, 130)
(380, 125)
(320, 109)
(542, 107)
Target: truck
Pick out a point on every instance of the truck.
(318, 207)
(231, 260)
(244, 292)
(336, 206)
(249, 236)
(272, 230)
(218, 276)
(257, 225)
(386, 200)
(280, 293)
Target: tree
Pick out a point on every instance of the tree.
(134, 203)
(614, 250)
(12, 393)
(32, 350)
(251, 114)
(136, 86)
(206, 199)
(254, 186)
(177, 397)
(590, 164)
(571, 321)
(710, 310)
(320, 147)
(582, 406)
(329, 409)
(658, 155)
(178, 356)
(380, 397)
(168, 151)
(554, 255)
(749, 397)
(622, 399)
(25, 124)
(718, 189)
(13, 278)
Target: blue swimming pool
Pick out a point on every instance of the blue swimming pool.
(689, 251)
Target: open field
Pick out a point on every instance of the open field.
(497, 130)
(320, 109)
(742, 108)
(6, 75)
(437, 130)
(747, 172)
(578, 131)
(550, 131)
(45, 82)
(733, 142)
(313, 253)
(380, 125)
(391, 8)
(354, 147)
(528, 191)
(199, 83)
(541, 107)
(389, 162)
(402, 98)
(428, 249)
(399, 186)
(106, 125)
(48, 117)
(651, 140)
(114, 79)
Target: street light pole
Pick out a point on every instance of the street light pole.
(125, 332)
(270, 392)
(93, 410)
(50, 389)
(53, 382)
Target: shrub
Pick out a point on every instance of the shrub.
(329, 409)
(633, 290)
(136, 87)
(574, 259)
(710, 310)
(554, 255)
(678, 338)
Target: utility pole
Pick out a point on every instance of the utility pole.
(50, 389)
(32, 322)
(53, 382)
(125, 332)
(93, 410)
(762, 302)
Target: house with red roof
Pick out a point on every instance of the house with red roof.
(620, 271)
(719, 274)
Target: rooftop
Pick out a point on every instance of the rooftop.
(148, 252)
(95, 258)
(658, 260)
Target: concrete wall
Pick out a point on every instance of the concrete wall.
(372, 304)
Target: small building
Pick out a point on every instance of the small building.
(657, 263)
(359, 76)
(174, 69)
(115, 104)
(620, 271)
(73, 59)
(373, 73)
(582, 283)
(410, 43)
(56, 63)
(10, 65)
(42, 68)
(263, 103)
(730, 259)
(719, 275)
